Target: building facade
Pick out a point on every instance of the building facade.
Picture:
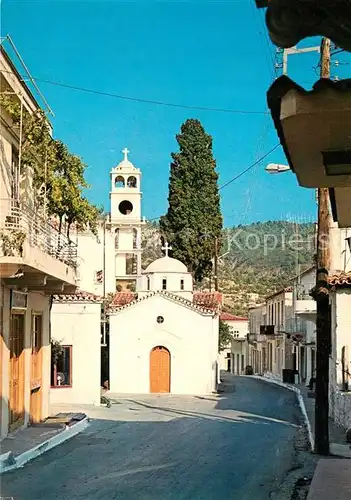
(35, 263)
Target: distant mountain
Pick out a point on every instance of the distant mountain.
(255, 260)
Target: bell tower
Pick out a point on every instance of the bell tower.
(126, 222)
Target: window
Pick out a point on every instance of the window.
(164, 284)
(160, 319)
(182, 284)
(61, 367)
(98, 277)
(125, 207)
(117, 239)
(135, 238)
(148, 283)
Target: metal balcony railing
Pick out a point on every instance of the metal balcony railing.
(39, 233)
(295, 325)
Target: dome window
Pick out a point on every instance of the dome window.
(164, 284)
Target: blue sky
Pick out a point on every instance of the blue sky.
(200, 53)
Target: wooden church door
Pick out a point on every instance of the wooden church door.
(160, 370)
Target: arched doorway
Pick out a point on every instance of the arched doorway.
(160, 370)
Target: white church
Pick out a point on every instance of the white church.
(160, 339)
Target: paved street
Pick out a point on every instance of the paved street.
(237, 446)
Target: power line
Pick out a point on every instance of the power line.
(250, 167)
(146, 101)
(241, 173)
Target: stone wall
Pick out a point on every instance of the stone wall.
(340, 408)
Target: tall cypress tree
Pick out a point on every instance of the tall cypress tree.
(194, 218)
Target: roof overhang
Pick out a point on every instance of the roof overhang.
(314, 130)
(340, 201)
(290, 21)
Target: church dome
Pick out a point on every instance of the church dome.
(166, 265)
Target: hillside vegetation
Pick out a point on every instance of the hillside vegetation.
(255, 260)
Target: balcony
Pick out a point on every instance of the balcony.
(295, 326)
(257, 337)
(33, 254)
(305, 306)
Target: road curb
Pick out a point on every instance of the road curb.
(299, 399)
(8, 462)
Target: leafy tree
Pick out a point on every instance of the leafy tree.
(194, 220)
(225, 336)
(55, 176)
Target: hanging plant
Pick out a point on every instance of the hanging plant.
(56, 351)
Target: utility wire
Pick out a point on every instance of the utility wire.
(241, 173)
(249, 168)
(147, 101)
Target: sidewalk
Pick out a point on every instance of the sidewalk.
(29, 442)
(332, 478)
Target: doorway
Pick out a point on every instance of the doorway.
(16, 372)
(36, 368)
(160, 370)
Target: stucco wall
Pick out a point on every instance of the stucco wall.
(90, 260)
(191, 338)
(78, 325)
(340, 402)
(37, 303)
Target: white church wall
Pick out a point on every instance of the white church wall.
(191, 338)
(78, 325)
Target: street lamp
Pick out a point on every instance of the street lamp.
(276, 168)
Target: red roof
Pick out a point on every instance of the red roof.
(210, 300)
(225, 316)
(122, 299)
(340, 279)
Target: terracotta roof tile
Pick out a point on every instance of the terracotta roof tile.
(79, 296)
(123, 298)
(340, 279)
(211, 300)
(225, 316)
(171, 296)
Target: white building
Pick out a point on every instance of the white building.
(230, 358)
(31, 270)
(340, 300)
(301, 327)
(163, 342)
(340, 359)
(279, 309)
(76, 371)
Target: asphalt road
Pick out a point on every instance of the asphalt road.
(237, 446)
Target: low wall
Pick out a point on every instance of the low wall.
(340, 408)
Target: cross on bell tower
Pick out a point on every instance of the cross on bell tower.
(166, 248)
(125, 151)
